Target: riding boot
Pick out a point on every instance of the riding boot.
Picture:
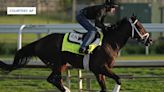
(86, 42)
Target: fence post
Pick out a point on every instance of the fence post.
(88, 84)
(68, 79)
(73, 10)
(80, 82)
(20, 37)
(147, 50)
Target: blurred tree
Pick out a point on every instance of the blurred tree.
(66, 4)
(91, 1)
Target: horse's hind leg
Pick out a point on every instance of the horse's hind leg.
(56, 79)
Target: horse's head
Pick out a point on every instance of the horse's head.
(139, 32)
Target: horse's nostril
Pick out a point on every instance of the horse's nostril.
(151, 41)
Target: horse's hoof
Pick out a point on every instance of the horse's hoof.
(117, 88)
(66, 89)
(119, 82)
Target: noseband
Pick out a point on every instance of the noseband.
(134, 28)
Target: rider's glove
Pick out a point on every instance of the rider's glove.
(109, 28)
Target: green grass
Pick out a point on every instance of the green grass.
(141, 57)
(22, 20)
(12, 38)
(30, 20)
(128, 85)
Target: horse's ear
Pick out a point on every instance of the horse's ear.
(133, 16)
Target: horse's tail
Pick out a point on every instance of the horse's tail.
(21, 58)
(4, 65)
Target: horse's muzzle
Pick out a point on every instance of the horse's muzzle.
(148, 42)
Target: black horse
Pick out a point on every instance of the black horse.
(48, 49)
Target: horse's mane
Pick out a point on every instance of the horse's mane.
(119, 22)
(122, 20)
(117, 26)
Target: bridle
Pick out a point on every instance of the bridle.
(144, 37)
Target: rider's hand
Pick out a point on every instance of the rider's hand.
(107, 28)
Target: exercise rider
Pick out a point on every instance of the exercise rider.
(97, 14)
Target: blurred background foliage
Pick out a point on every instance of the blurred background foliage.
(65, 10)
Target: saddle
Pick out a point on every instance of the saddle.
(72, 42)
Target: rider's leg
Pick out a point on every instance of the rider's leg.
(88, 39)
(83, 21)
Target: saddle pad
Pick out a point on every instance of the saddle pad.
(75, 37)
(69, 46)
(73, 47)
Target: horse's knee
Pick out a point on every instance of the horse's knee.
(54, 79)
(118, 81)
(116, 78)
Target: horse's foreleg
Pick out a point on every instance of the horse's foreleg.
(101, 80)
(106, 70)
(109, 73)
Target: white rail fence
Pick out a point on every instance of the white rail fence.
(61, 28)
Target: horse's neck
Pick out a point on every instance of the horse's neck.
(118, 39)
(117, 42)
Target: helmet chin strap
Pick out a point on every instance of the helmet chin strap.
(143, 37)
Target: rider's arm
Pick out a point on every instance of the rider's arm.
(99, 21)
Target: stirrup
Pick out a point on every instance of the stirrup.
(83, 50)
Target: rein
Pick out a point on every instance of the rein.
(146, 35)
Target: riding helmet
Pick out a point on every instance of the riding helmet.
(110, 4)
